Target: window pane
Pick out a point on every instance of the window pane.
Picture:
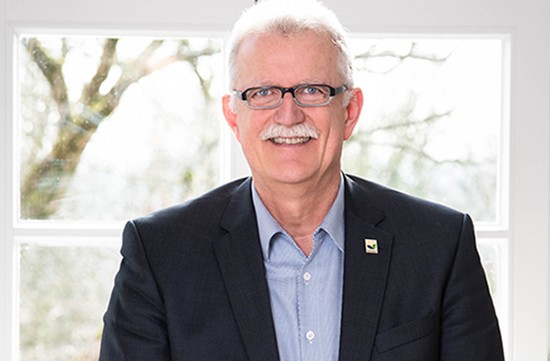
(64, 293)
(114, 128)
(493, 253)
(432, 119)
(491, 257)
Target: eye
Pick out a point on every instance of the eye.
(260, 93)
(312, 90)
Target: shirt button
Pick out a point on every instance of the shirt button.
(310, 335)
(307, 276)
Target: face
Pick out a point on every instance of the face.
(287, 61)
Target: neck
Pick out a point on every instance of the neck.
(299, 208)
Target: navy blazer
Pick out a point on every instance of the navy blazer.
(192, 285)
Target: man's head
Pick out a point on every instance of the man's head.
(298, 48)
(287, 17)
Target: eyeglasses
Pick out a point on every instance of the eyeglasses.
(305, 95)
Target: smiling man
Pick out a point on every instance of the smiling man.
(292, 137)
(299, 261)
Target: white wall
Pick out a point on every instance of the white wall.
(6, 305)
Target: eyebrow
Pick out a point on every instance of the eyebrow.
(303, 81)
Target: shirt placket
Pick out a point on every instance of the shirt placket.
(308, 327)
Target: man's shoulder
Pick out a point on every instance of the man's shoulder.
(208, 206)
(414, 222)
(389, 200)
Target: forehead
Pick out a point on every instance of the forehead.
(286, 59)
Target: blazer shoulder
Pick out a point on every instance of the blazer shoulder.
(199, 217)
(183, 233)
(365, 194)
(206, 208)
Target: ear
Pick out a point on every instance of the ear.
(230, 115)
(353, 111)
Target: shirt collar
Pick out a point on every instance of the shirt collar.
(333, 224)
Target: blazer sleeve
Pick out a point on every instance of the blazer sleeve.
(134, 323)
(469, 327)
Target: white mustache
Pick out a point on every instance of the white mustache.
(301, 130)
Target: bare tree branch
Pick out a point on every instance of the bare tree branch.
(91, 90)
(412, 53)
(52, 70)
(408, 122)
(47, 180)
(131, 73)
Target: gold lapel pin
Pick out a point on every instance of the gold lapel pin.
(371, 246)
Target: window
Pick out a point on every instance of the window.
(433, 125)
(114, 128)
(108, 129)
(507, 162)
(432, 119)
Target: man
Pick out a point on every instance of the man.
(300, 261)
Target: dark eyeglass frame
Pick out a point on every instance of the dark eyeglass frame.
(243, 95)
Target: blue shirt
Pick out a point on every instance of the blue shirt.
(305, 292)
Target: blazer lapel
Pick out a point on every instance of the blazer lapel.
(365, 275)
(241, 263)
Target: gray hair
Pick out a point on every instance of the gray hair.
(290, 17)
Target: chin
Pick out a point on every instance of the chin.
(291, 176)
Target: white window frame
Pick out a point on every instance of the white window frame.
(526, 172)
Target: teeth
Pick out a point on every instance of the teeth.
(282, 140)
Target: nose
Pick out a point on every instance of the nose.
(289, 113)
